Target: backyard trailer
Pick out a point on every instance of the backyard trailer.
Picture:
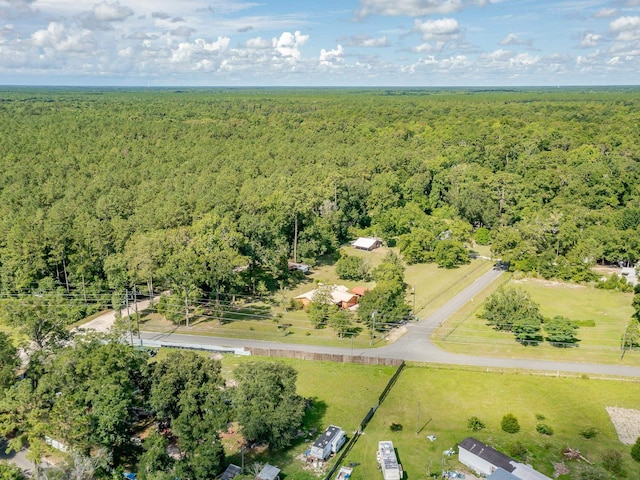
(329, 442)
(391, 469)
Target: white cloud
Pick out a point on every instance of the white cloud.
(590, 40)
(258, 43)
(56, 37)
(186, 50)
(288, 44)
(328, 57)
(415, 8)
(111, 12)
(605, 13)
(368, 41)
(513, 39)
(626, 28)
(442, 29)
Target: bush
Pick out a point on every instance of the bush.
(612, 461)
(544, 429)
(475, 424)
(396, 427)
(590, 472)
(517, 450)
(635, 450)
(510, 423)
(589, 432)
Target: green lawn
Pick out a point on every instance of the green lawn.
(439, 402)
(610, 311)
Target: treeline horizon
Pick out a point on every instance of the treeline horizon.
(217, 188)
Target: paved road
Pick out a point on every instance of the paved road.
(415, 345)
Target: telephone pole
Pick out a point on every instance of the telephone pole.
(373, 326)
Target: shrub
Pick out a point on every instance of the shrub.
(590, 472)
(517, 450)
(589, 432)
(396, 427)
(544, 429)
(612, 461)
(475, 424)
(510, 423)
(635, 450)
(540, 417)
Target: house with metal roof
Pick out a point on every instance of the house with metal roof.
(367, 243)
(485, 460)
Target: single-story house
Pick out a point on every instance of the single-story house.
(329, 442)
(367, 243)
(340, 296)
(485, 460)
(268, 472)
(231, 472)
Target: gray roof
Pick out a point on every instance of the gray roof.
(269, 472)
(231, 471)
(501, 474)
(487, 453)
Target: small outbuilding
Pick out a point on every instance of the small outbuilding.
(231, 472)
(367, 243)
(268, 472)
(329, 442)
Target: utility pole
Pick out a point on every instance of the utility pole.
(413, 292)
(135, 303)
(129, 316)
(418, 418)
(373, 326)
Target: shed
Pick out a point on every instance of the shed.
(268, 472)
(329, 442)
(367, 243)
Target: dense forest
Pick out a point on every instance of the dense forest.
(214, 190)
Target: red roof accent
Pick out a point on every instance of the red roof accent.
(360, 291)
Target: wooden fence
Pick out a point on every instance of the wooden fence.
(325, 357)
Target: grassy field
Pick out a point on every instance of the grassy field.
(447, 398)
(434, 401)
(609, 311)
(432, 286)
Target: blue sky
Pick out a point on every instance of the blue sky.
(320, 42)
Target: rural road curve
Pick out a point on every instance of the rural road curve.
(415, 345)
